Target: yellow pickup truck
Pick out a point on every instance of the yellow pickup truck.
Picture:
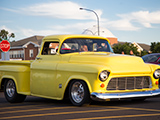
(82, 68)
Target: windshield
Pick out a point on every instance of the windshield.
(150, 58)
(85, 45)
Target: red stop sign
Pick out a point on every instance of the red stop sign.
(5, 46)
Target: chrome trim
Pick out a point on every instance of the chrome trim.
(129, 83)
(106, 96)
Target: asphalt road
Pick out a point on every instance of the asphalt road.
(35, 108)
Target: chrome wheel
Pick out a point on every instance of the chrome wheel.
(10, 92)
(10, 88)
(77, 92)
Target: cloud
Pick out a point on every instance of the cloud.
(7, 29)
(31, 32)
(145, 18)
(134, 21)
(77, 28)
(62, 10)
(70, 10)
(8, 9)
(122, 24)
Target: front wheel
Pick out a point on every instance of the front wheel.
(79, 93)
(11, 94)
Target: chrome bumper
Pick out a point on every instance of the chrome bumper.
(108, 96)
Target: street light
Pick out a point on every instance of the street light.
(95, 14)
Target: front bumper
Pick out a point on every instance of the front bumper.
(109, 96)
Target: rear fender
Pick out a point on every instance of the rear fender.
(7, 77)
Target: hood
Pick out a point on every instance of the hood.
(115, 63)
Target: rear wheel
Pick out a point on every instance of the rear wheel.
(11, 94)
(79, 93)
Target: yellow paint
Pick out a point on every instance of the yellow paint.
(45, 76)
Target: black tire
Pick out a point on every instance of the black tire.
(78, 93)
(11, 94)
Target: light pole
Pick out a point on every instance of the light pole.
(95, 14)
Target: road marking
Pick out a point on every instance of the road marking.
(143, 109)
(62, 113)
(13, 107)
(18, 111)
(114, 108)
(123, 116)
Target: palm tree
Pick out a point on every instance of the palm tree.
(4, 35)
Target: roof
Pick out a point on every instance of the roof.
(144, 46)
(68, 36)
(30, 42)
(139, 48)
(35, 39)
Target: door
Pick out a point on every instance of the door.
(44, 71)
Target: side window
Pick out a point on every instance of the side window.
(69, 47)
(50, 48)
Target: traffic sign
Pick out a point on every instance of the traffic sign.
(5, 46)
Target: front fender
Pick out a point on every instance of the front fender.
(79, 77)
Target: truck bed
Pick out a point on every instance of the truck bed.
(19, 71)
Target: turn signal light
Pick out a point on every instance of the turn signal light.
(102, 85)
(156, 82)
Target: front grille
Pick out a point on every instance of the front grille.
(129, 83)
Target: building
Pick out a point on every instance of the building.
(25, 49)
(103, 32)
(142, 47)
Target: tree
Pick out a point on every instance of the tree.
(152, 46)
(4, 35)
(143, 53)
(155, 47)
(126, 48)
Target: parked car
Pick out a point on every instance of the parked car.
(81, 68)
(152, 58)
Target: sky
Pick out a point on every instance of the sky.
(128, 20)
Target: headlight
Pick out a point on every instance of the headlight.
(103, 75)
(156, 74)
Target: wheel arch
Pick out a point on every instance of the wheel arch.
(4, 78)
(76, 78)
